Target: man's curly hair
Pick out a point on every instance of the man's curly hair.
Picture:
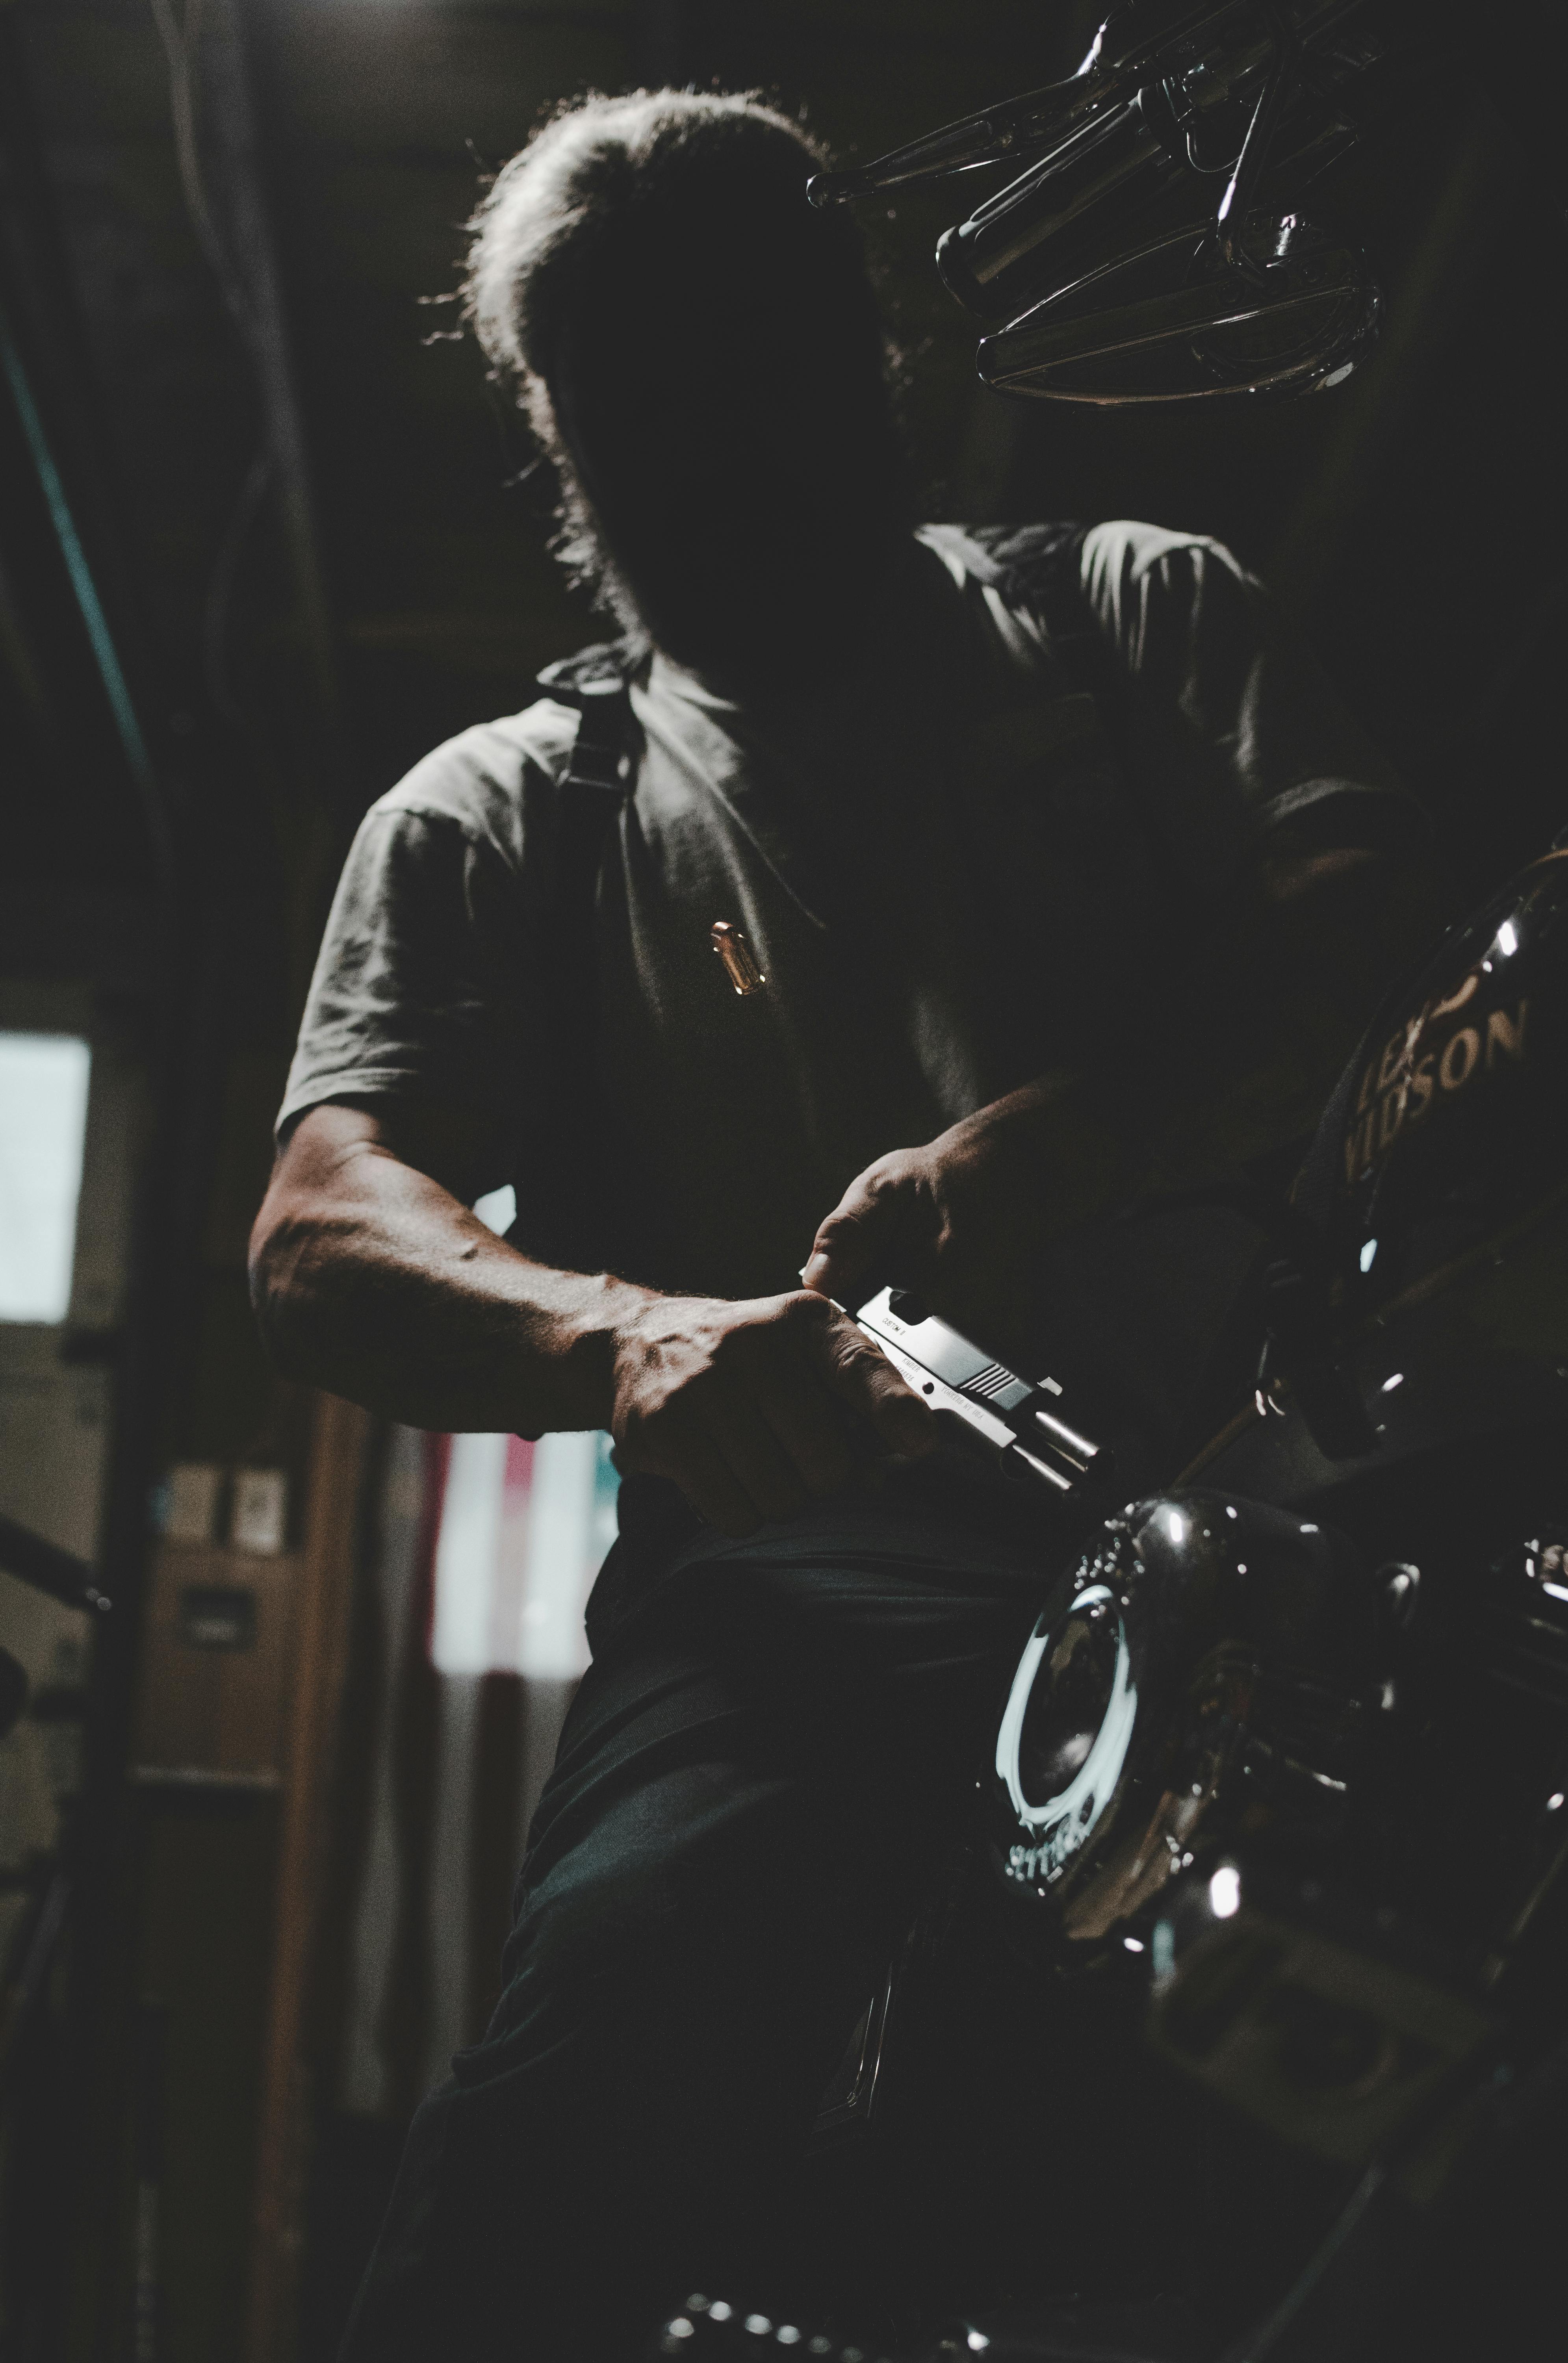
(552, 238)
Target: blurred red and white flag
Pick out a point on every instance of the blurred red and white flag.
(482, 1556)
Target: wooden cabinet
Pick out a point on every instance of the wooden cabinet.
(218, 1662)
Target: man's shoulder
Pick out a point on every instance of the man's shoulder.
(1131, 547)
(1053, 547)
(488, 780)
(1013, 558)
(1060, 570)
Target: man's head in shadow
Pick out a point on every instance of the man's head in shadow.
(698, 351)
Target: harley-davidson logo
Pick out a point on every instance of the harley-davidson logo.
(1031, 1864)
(1399, 1088)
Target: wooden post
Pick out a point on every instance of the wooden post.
(336, 1462)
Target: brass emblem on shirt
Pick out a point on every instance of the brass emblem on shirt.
(740, 965)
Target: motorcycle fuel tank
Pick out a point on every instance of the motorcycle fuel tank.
(1435, 1196)
(1451, 1127)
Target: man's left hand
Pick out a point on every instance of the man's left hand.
(964, 1221)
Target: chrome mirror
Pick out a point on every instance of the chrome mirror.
(1150, 248)
(1291, 310)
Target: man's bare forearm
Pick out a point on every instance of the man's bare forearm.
(372, 1281)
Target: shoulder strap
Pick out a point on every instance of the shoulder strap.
(596, 783)
(569, 1191)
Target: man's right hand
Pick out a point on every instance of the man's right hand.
(374, 1280)
(754, 1408)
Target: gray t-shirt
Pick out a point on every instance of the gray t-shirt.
(951, 874)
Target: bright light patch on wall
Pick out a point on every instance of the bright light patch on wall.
(498, 1208)
(1224, 1891)
(524, 1530)
(467, 1548)
(43, 1119)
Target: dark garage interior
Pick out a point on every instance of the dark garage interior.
(290, 1671)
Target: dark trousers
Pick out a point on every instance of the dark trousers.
(754, 1778)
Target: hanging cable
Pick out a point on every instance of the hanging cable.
(181, 41)
(219, 599)
(84, 590)
(182, 45)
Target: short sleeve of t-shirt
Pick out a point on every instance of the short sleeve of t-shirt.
(422, 983)
(1233, 728)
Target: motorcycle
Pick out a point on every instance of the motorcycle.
(1273, 1838)
(1280, 1783)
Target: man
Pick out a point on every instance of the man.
(1052, 854)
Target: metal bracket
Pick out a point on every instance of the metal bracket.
(1243, 186)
